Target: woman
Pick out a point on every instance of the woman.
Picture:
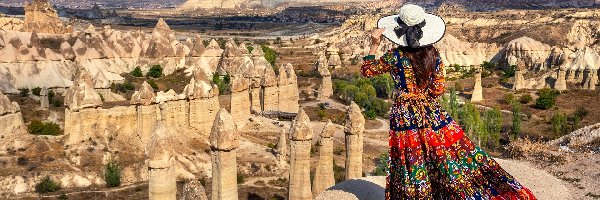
(430, 157)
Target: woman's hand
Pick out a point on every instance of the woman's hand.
(375, 40)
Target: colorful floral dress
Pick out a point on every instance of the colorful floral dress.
(430, 156)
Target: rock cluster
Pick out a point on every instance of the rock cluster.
(355, 125)
(13, 129)
(530, 53)
(41, 17)
(11, 24)
(301, 134)
(82, 94)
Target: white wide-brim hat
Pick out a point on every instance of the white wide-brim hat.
(411, 15)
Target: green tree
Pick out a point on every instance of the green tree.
(547, 98)
(37, 127)
(381, 165)
(155, 71)
(153, 84)
(516, 120)
(47, 185)
(270, 54)
(137, 72)
(24, 92)
(559, 124)
(112, 174)
(36, 91)
(472, 123)
(453, 104)
(384, 85)
(493, 122)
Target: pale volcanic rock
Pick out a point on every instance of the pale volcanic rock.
(13, 132)
(334, 57)
(224, 140)
(161, 173)
(529, 52)
(193, 190)
(477, 95)
(159, 45)
(590, 79)
(282, 150)
(582, 33)
(583, 59)
(355, 125)
(41, 16)
(44, 101)
(456, 52)
(145, 96)
(561, 80)
(324, 177)
(224, 134)
(519, 79)
(301, 134)
(82, 94)
(203, 102)
(270, 91)
(288, 89)
(326, 87)
(240, 100)
(191, 5)
(11, 24)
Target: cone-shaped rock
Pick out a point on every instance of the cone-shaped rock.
(355, 125)
(145, 96)
(301, 135)
(224, 141)
(224, 134)
(324, 172)
(161, 177)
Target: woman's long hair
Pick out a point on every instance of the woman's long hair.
(423, 61)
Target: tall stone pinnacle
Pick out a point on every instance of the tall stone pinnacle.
(224, 140)
(478, 89)
(355, 125)
(161, 174)
(324, 173)
(301, 134)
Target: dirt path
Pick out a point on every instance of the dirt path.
(543, 185)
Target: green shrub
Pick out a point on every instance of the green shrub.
(508, 98)
(112, 174)
(370, 114)
(526, 99)
(101, 96)
(492, 120)
(57, 103)
(272, 146)
(270, 54)
(547, 99)
(122, 87)
(137, 72)
(488, 65)
(155, 71)
(153, 84)
(223, 84)
(37, 127)
(47, 185)
(458, 86)
(509, 72)
(240, 179)
(36, 91)
(381, 165)
(24, 92)
(581, 112)
(249, 47)
(321, 114)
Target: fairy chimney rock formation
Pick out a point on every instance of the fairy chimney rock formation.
(561, 80)
(44, 101)
(326, 87)
(82, 94)
(301, 134)
(323, 177)
(145, 96)
(161, 172)
(203, 102)
(288, 89)
(590, 79)
(41, 17)
(334, 57)
(240, 100)
(355, 125)
(224, 140)
(270, 90)
(160, 44)
(519, 79)
(282, 150)
(478, 89)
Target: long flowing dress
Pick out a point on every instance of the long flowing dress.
(430, 156)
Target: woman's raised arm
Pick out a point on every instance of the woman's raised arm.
(373, 67)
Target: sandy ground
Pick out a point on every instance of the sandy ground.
(543, 185)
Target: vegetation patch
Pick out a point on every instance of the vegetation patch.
(47, 185)
(112, 174)
(37, 127)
